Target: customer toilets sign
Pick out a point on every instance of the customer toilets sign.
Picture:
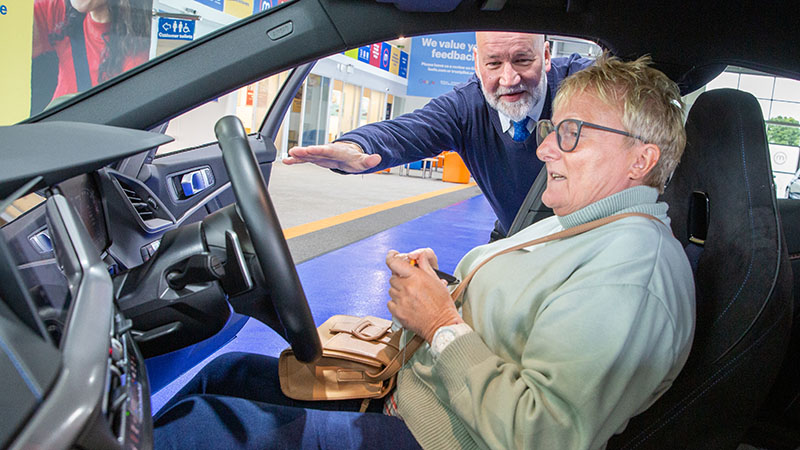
(169, 28)
(438, 62)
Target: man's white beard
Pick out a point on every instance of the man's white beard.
(521, 108)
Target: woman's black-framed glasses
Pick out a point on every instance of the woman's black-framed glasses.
(568, 131)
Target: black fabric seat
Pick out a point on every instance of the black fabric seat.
(778, 423)
(743, 282)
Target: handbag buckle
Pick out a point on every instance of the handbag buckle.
(368, 331)
(349, 376)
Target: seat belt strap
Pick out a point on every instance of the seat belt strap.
(80, 61)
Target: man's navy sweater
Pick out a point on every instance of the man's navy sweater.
(462, 121)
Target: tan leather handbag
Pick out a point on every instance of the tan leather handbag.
(362, 355)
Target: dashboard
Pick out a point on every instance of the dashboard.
(73, 376)
(92, 390)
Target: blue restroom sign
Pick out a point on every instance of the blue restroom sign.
(179, 29)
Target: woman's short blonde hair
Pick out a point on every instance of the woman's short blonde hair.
(651, 106)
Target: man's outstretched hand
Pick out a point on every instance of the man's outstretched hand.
(337, 155)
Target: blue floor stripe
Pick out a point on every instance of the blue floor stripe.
(354, 279)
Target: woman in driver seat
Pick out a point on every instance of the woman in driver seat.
(556, 345)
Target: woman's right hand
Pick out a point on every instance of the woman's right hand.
(420, 301)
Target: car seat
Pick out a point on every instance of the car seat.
(723, 209)
(778, 423)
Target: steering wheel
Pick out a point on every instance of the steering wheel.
(258, 214)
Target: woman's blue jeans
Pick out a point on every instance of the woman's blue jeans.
(235, 402)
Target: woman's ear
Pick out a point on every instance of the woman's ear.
(647, 156)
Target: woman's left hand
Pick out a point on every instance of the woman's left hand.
(419, 299)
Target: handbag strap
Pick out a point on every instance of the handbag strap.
(414, 344)
(569, 232)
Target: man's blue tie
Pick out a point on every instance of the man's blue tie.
(521, 130)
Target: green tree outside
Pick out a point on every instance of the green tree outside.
(777, 134)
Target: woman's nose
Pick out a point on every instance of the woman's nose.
(548, 150)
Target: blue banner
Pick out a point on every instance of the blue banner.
(363, 54)
(178, 29)
(219, 5)
(438, 62)
(403, 69)
(261, 5)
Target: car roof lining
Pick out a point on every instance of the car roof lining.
(698, 42)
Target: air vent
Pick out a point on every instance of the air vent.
(151, 214)
(145, 209)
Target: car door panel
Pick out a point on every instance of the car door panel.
(157, 184)
(163, 174)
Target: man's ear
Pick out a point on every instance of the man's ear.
(546, 56)
(646, 157)
(475, 60)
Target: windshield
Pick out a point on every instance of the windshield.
(55, 49)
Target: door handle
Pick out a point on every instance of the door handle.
(41, 241)
(196, 181)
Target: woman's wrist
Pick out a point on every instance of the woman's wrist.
(453, 319)
(445, 335)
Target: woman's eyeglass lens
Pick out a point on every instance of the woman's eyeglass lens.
(567, 133)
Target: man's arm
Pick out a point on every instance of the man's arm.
(423, 133)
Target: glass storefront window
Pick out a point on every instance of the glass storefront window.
(376, 106)
(335, 110)
(349, 111)
(295, 112)
(314, 117)
(363, 110)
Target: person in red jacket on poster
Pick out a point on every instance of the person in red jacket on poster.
(94, 40)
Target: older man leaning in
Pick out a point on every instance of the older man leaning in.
(556, 345)
(488, 120)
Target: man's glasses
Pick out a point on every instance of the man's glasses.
(568, 131)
